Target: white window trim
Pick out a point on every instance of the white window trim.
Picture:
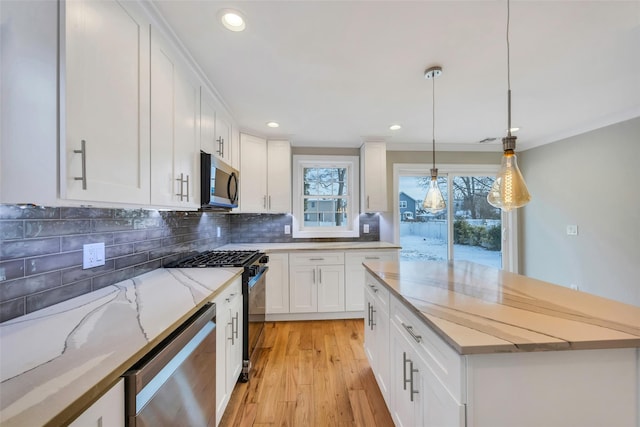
(509, 219)
(352, 229)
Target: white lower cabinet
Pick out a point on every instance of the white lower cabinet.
(277, 283)
(354, 274)
(316, 282)
(228, 344)
(106, 411)
(376, 333)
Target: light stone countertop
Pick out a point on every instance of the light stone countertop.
(478, 309)
(56, 361)
(308, 246)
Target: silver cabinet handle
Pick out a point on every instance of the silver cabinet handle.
(316, 259)
(369, 313)
(409, 329)
(182, 181)
(220, 146)
(83, 152)
(231, 337)
(187, 188)
(373, 322)
(320, 271)
(314, 275)
(372, 257)
(412, 371)
(404, 370)
(367, 202)
(373, 288)
(264, 201)
(237, 324)
(269, 202)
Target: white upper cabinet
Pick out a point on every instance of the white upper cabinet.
(265, 175)
(104, 102)
(216, 128)
(373, 177)
(174, 116)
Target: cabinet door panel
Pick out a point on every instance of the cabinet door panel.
(105, 83)
(279, 176)
(330, 288)
(402, 408)
(185, 153)
(303, 289)
(278, 284)
(253, 172)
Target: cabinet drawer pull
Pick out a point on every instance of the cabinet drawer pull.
(409, 329)
(412, 371)
(373, 288)
(316, 259)
(372, 257)
(404, 370)
(83, 152)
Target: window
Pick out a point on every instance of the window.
(403, 204)
(325, 196)
(469, 229)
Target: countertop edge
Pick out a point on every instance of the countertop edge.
(82, 403)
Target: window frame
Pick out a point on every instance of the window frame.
(352, 227)
(509, 219)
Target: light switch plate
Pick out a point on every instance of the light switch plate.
(92, 255)
(365, 228)
(287, 229)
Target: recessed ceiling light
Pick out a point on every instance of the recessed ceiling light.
(232, 20)
(273, 124)
(395, 127)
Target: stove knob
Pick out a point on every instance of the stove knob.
(264, 259)
(253, 270)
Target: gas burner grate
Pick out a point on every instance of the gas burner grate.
(217, 259)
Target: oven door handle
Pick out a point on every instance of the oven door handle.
(253, 280)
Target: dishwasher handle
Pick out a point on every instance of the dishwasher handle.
(148, 367)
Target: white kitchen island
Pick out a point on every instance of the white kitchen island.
(461, 344)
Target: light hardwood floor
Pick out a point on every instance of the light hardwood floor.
(309, 374)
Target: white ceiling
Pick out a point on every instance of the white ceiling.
(335, 72)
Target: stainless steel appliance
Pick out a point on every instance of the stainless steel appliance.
(253, 292)
(219, 183)
(175, 384)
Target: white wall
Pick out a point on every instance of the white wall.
(592, 181)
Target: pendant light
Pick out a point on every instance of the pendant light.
(509, 191)
(433, 201)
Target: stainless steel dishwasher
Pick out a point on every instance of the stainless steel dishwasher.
(175, 384)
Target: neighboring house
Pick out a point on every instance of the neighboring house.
(407, 207)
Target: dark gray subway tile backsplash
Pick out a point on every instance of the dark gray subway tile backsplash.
(41, 247)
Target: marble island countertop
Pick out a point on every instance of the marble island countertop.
(55, 362)
(308, 246)
(478, 309)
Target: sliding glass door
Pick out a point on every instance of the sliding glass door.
(469, 229)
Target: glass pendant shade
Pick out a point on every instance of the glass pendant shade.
(509, 190)
(433, 201)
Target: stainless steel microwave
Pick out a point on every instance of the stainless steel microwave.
(219, 183)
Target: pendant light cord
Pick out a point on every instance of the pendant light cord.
(433, 121)
(508, 74)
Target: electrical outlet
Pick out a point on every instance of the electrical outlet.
(218, 232)
(572, 230)
(92, 255)
(365, 228)
(574, 287)
(287, 229)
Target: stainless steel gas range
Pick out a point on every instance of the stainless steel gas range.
(253, 292)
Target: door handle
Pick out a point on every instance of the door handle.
(83, 152)
(412, 371)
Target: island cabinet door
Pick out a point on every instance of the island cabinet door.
(406, 381)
